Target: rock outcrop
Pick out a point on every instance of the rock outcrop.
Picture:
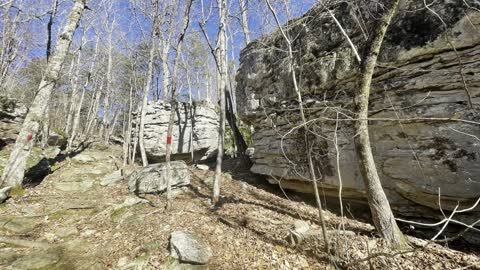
(205, 131)
(424, 133)
(153, 178)
(12, 114)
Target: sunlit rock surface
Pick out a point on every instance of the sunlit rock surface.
(417, 78)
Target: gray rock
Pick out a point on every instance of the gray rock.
(42, 260)
(83, 158)
(20, 225)
(4, 193)
(203, 167)
(112, 178)
(152, 179)
(415, 159)
(189, 248)
(205, 131)
(12, 114)
(74, 186)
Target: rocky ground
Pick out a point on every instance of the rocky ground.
(71, 221)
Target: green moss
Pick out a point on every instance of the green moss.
(70, 213)
(17, 191)
(152, 246)
(60, 214)
(118, 213)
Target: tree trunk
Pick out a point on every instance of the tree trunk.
(305, 128)
(186, 21)
(53, 13)
(96, 106)
(73, 97)
(137, 131)
(192, 121)
(106, 101)
(245, 28)
(128, 133)
(15, 170)
(380, 207)
(148, 83)
(222, 70)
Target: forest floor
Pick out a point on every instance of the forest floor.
(70, 221)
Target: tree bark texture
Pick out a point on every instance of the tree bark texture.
(380, 207)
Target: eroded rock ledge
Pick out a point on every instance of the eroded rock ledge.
(418, 78)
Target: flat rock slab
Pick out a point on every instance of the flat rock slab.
(112, 178)
(83, 158)
(20, 225)
(74, 186)
(153, 178)
(189, 248)
(44, 260)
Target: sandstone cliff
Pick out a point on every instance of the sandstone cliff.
(205, 131)
(423, 72)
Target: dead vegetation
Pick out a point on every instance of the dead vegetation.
(249, 229)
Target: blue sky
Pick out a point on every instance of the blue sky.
(260, 20)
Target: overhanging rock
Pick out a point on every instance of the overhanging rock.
(417, 79)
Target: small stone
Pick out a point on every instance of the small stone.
(50, 237)
(189, 248)
(88, 233)
(203, 167)
(4, 194)
(301, 226)
(122, 262)
(131, 201)
(83, 158)
(66, 232)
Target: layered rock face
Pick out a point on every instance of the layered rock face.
(12, 114)
(423, 131)
(205, 130)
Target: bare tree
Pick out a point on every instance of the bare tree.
(108, 89)
(309, 145)
(15, 169)
(244, 21)
(380, 207)
(173, 100)
(76, 119)
(151, 58)
(75, 82)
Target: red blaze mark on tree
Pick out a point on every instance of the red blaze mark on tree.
(169, 140)
(29, 137)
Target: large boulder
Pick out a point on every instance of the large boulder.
(153, 178)
(421, 78)
(205, 130)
